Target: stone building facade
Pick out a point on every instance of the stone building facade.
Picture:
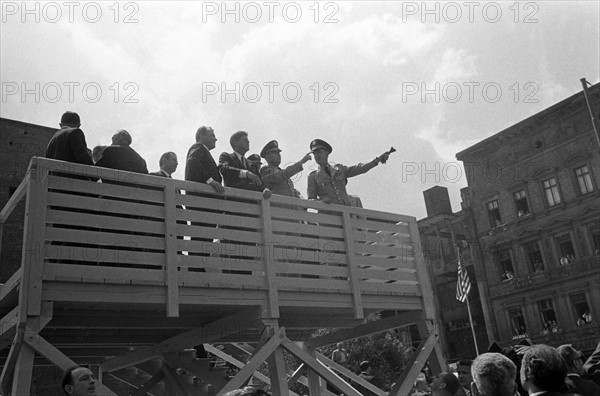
(19, 141)
(443, 235)
(532, 204)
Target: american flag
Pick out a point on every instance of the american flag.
(463, 284)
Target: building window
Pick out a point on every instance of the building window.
(517, 321)
(584, 180)
(548, 316)
(505, 265)
(581, 309)
(551, 192)
(494, 213)
(521, 203)
(534, 256)
(595, 234)
(565, 248)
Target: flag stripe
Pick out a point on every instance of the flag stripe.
(463, 284)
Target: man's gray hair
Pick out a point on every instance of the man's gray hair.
(494, 374)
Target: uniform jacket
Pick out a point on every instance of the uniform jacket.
(68, 144)
(279, 180)
(230, 166)
(122, 158)
(200, 166)
(321, 184)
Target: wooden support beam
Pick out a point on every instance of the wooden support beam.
(213, 331)
(269, 260)
(351, 265)
(277, 373)
(347, 373)
(257, 360)
(368, 328)
(171, 262)
(320, 369)
(21, 384)
(11, 361)
(148, 385)
(314, 381)
(296, 375)
(405, 381)
(14, 199)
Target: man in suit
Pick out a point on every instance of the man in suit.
(200, 165)
(276, 179)
(575, 383)
(168, 165)
(68, 143)
(235, 167)
(591, 367)
(78, 381)
(493, 374)
(328, 182)
(463, 369)
(543, 371)
(121, 156)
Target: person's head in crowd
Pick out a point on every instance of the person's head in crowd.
(70, 120)
(272, 153)
(493, 375)
(321, 150)
(121, 138)
(168, 162)
(573, 358)
(247, 391)
(97, 153)
(445, 384)
(365, 366)
(206, 136)
(542, 369)
(239, 142)
(78, 381)
(463, 369)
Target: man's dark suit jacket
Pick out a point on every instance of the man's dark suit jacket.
(68, 144)
(200, 165)
(122, 158)
(230, 166)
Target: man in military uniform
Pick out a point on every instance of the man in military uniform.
(328, 183)
(276, 179)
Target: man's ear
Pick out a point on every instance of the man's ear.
(69, 389)
(474, 390)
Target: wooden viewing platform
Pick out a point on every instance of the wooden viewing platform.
(132, 271)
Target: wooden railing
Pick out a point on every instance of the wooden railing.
(89, 225)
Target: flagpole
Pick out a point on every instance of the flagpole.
(472, 327)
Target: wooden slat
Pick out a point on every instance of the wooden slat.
(73, 272)
(317, 257)
(64, 217)
(104, 238)
(101, 255)
(217, 204)
(107, 189)
(309, 229)
(104, 205)
(387, 275)
(219, 263)
(402, 288)
(268, 262)
(217, 218)
(302, 215)
(398, 251)
(218, 233)
(308, 243)
(351, 262)
(380, 226)
(381, 237)
(314, 284)
(303, 269)
(386, 263)
(230, 281)
(221, 249)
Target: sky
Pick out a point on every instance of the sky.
(428, 78)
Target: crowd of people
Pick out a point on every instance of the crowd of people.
(234, 169)
(524, 370)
